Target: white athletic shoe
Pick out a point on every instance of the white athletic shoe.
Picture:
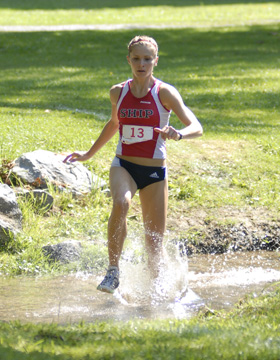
(111, 280)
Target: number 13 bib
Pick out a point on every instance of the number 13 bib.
(134, 134)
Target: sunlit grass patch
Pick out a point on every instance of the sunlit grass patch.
(180, 13)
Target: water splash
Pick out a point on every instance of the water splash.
(219, 280)
(138, 288)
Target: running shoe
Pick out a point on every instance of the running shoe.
(111, 280)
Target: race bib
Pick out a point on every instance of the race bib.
(135, 134)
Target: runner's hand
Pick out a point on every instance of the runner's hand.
(75, 156)
(168, 132)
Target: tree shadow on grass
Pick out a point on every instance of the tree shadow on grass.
(75, 70)
(189, 49)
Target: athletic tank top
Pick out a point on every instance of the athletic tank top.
(137, 119)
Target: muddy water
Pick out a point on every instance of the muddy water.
(217, 281)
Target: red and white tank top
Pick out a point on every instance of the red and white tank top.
(137, 119)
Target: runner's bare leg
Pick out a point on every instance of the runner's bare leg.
(123, 188)
(154, 201)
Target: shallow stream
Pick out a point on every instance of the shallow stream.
(217, 281)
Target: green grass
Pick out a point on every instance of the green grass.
(250, 331)
(54, 96)
(179, 12)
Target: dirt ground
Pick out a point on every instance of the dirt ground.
(226, 229)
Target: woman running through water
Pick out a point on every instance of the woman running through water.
(141, 109)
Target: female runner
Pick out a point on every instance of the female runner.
(141, 109)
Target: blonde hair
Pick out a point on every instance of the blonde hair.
(142, 40)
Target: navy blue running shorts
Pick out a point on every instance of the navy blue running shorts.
(142, 175)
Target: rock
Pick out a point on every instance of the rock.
(41, 198)
(10, 214)
(41, 167)
(8, 203)
(7, 231)
(64, 252)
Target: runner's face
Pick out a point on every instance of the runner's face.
(142, 60)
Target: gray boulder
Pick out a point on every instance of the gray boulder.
(10, 214)
(41, 167)
(42, 199)
(64, 252)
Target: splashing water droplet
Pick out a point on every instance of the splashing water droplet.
(139, 288)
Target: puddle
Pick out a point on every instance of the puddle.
(217, 281)
(222, 280)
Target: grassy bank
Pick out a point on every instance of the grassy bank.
(250, 331)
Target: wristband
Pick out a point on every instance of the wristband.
(180, 136)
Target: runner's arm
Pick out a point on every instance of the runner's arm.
(109, 130)
(172, 100)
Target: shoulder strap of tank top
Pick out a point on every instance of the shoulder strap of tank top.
(124, 91)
